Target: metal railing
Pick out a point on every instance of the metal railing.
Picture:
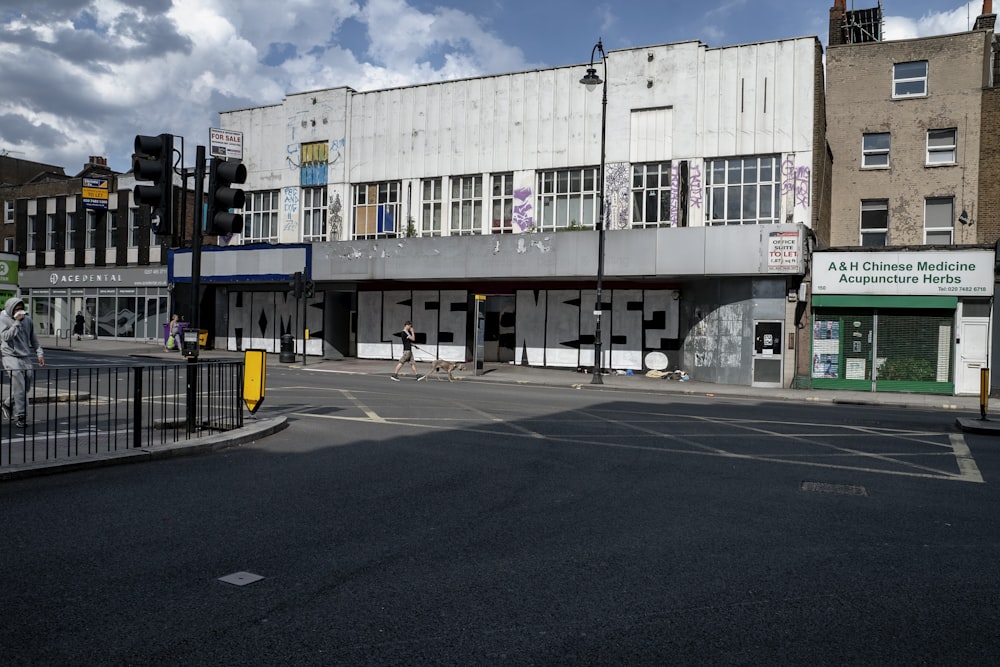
(85, 411)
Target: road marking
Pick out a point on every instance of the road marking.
(372, 415)
(965, 461)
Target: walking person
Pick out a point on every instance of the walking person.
(177, 333)
(78, 326)
(18, 343)
(408, 336)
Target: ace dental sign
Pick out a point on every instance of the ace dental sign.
(933, 273)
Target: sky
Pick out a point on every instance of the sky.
(83, 77)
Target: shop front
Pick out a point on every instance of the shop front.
(901, 321)
(117, 302)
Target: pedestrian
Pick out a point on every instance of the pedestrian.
(408, 337)
(18, 343)
(78, 327)
(176, 333)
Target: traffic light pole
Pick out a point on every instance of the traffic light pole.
(305, 338)
(192, 357)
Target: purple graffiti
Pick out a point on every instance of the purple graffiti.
(694, 185)
(675, 188)
(522, 216)
(795, 180)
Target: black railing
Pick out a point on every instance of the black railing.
(86, 411)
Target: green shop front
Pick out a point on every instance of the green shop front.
(901, 321)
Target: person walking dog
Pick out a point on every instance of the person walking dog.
(408, 336)
(18, 343)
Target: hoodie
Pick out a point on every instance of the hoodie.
(17, 338)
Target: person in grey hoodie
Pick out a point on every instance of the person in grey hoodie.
(18, 344)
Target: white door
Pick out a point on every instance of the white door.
(973, 346)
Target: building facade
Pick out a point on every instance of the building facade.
(413, 200)
(902, 295)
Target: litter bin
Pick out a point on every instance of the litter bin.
(287, 354)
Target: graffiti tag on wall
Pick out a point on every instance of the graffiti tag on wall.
(523, 218)
(616, 196)
(795, 180)
(290, 204)
(694, 184)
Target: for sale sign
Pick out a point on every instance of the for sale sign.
(225, 144)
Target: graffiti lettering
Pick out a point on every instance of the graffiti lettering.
(675, 188)
(795, 180)
(522, 209)
(694, 185)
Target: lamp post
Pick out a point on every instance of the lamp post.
(590, 79)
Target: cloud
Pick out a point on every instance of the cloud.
(959, 19)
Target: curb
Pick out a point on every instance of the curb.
(259, 429)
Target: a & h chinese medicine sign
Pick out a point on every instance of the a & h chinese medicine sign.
(918, 273)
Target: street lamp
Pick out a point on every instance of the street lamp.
(590, 79)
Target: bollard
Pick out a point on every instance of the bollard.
(984, 392)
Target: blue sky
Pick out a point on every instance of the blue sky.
(82, 77)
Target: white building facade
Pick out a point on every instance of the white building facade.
(410, 201)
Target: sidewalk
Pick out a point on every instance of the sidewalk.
(966, 408)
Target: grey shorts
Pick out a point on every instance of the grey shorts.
(407, 356)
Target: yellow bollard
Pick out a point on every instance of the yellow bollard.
(984, 391)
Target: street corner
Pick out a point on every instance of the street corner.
(978, 426)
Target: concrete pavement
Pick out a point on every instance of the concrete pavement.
(966, 408)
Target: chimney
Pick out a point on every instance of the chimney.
(838, 15)
(987, 20)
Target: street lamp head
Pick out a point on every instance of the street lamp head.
(590, 79)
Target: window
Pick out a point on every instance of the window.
(939, 220)
(51, 241)
(314, 158)
(942, 146)
(8, 244)
(651, 194)
(743, 191)
(71, 231)
(260, 217)
(875, 150)
(8, 212)
(467, 205)
(874, 223)
(314, 214)
(503, 203)
(430, 199)
(112, 237)
(909, 79)
(32, 233)
(133, 228)
(376, 210)
(91, 232)
(567, 199)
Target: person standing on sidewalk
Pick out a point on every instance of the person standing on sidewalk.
(18, 344)
(408, 337)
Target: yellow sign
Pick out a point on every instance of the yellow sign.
(254, 370)
(95, 193)
(480, 297)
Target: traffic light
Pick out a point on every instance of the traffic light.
(222, 197)
(308, 289)
(154, 161)
(297, 285)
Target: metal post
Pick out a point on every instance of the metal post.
(192, 360)
(591, 79)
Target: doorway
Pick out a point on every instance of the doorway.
(768, 365)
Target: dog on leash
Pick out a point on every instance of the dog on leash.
(447, 367)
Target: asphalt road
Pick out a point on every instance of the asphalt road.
(472, 523)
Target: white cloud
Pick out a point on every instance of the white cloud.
(959, 19)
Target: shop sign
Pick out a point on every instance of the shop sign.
(8, 271)
(930, 273)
